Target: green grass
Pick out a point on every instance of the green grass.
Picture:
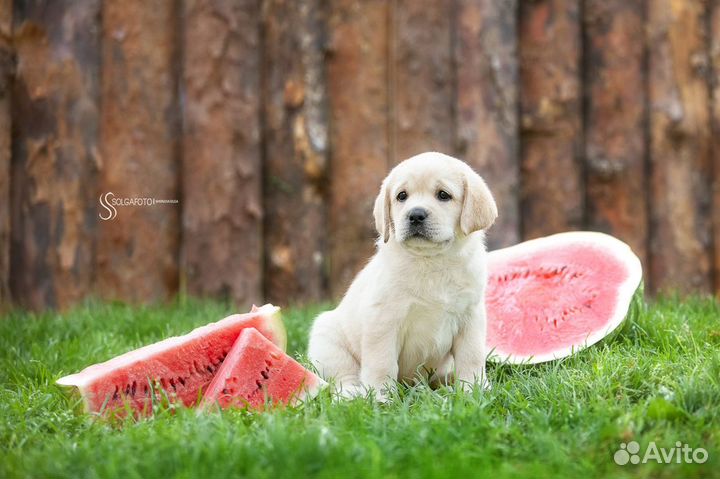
(656, 381)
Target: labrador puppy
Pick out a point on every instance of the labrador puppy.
(418, 307)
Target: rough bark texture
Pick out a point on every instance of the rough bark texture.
(55, 114)
(422, 78)
(715, 112)
(679, 146)
(486, 59)
(296, 138)
(138, 249)
(7, 67)
(615, 113)
(293, 112)
(551, 189)
(222, 177)
(357, 87)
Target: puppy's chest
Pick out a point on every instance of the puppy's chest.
(432, 322)
(445, 291)
(440, 299)
(426, 337)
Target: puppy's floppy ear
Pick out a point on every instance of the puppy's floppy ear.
(479, 210)
(381, 211)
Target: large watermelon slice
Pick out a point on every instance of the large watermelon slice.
(178, 368)
(256, 371)
(550, 297)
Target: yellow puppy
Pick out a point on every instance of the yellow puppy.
(419, 304)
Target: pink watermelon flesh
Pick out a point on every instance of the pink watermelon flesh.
(256, 370)
(178, 368)
(549, 297)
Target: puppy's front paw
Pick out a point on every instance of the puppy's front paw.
(468, 387)
(381, 396)
(381, 392)
(350, 391)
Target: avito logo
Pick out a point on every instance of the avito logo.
(681, 453)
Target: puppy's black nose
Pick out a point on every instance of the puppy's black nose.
(417, 216)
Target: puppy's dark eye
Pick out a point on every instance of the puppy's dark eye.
(443, 195)
(402, 196)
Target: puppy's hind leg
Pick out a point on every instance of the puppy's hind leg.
(331, 357)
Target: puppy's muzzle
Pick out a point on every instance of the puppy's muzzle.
(416, 220)
(417, 216)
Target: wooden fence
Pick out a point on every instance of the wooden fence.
(273, 122)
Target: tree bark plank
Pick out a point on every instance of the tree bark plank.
(295, 113)
(551, 185)
(7, 68)
(679, 146)
(55, 113)
(715, 145)
(358, 97)
(222, 180)
(138, 249)
(615, 121)
(422, 76)
(487, 91)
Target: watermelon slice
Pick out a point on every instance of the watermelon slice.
(550, 297)
(256, 370)
(178, 367)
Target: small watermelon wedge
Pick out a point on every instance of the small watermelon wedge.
(257, 372)
(550, 297)
(179, 368)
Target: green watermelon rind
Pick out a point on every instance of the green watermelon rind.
(81, 380)
(630, 292)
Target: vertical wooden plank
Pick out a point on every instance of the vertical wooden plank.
(422, 77)
(295, 114)
(487, 123)
(615, 121)
(551, 182)
(7, 67)
(55, 115)
(715, 134)
(221, 185)
(138, 249)
(357, 88)
(679, 146)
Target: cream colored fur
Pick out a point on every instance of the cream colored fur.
(419, 303)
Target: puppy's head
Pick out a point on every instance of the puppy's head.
(429, 200)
